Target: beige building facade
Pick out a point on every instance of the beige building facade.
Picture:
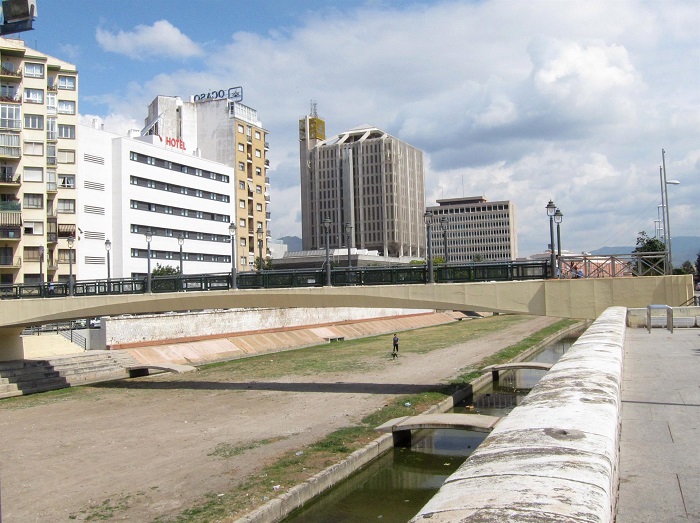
(367, 183)
(475, 228)
(38, 137)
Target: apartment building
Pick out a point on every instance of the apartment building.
(221, 129)
(38, 137)
(473, 229)
(139, 196)
(368, 184)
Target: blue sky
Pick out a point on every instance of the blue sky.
(525, 101)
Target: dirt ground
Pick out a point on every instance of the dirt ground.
(115, 453)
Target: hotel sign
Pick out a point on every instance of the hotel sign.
(232, 93)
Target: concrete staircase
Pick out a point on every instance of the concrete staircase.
(21, 377)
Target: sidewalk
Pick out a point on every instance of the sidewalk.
(660, 443)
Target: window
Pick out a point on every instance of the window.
(34, 96)
(66, 82)
(51, 103)
(258, 171)
(66, 131)
(66, 156)
(66, 181)
(33, 228)
(258, 153)
(258, 189)
(241, 223)
(33, 201)
(257, 135)
(34, 148)
(8, 91)
(33, 174)
(66, 206)
(258, 207)
(51, 126)
(66, 107)
(33, 121)
(240, 128)
(241, 204)
(34, 70)
(241, 166)
(241, 185)
(10, 117)
(241, 147)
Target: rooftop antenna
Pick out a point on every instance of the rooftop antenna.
(314, 112)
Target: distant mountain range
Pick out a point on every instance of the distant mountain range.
(685, 248)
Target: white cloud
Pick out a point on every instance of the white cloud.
(523, 100)
(160, 40)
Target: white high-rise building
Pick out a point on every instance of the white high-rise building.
(366, 183)
(129, 187)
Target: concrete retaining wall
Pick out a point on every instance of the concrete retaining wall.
(183, 326)
(555, 457)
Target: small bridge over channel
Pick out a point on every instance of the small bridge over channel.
(529, 365)
(401, 427)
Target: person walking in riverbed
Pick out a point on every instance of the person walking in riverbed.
(395, 350)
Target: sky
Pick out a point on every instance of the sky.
(521, 101)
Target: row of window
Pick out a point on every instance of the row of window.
(10, 119)
(179, 211)
(36, 174)
(36, 201)
(173, 166)
(35, 70)
(242, 130)
(53, 155)
(175, 233)
(175, 255)
(169, 187)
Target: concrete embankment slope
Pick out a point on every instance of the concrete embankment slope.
(555, 457)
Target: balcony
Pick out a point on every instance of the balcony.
(51, 237)
(267, 146)
(51, 187)
(267, 164)
(9, 177)
(10, 232)
(267, 180)
(51, 161)
(14, 262)
(9, 74)
(52, 136)
(52, 88)
(52, 264)
(11, 98)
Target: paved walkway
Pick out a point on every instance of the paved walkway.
(660, 445)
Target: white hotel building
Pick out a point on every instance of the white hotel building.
(128, 186)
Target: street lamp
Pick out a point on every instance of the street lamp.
(551, 209)
(71, 241)
(327, 228)
(41, 270)
(181, 242)
(108, 247)
(232, 232)
(443, 222)
(348, 237)
(428, 216)
(149, 237)
(260, 246)
(558, 217)
(664, 201)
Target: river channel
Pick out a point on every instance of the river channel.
(394, 487)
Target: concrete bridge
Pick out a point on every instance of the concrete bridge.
(531, 365)
(578, 298)
(401, 427)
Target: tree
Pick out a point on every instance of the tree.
(697, 264)
(164, 270)
(685, 268)
(267, 263)
(647, 244)
(653, 266)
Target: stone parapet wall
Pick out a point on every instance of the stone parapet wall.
(185, 326)
(637, 318)
(555, 457)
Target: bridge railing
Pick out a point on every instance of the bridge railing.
(637, 264)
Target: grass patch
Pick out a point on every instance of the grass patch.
(226, 450)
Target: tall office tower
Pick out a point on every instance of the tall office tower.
(474, 229)
(225, 131)
(38, 122)
(366, 183)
